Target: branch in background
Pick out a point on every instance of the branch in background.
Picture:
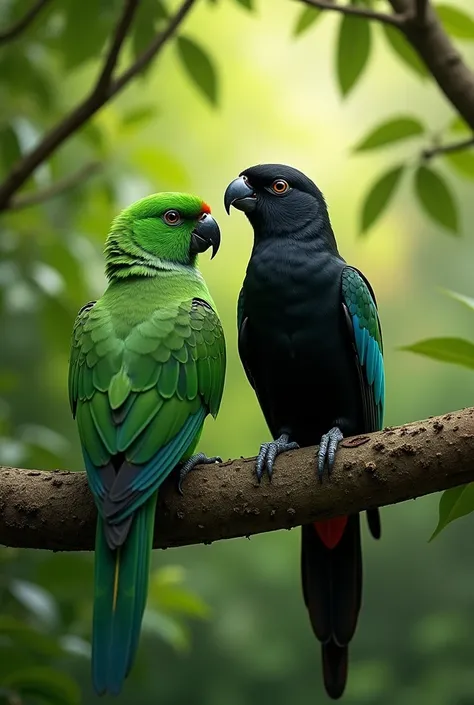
(55, 510)
(23, 23)
(357, 11)
(92, 103)
(120, 35)
(69, 182)
(420, 11)
(431, 42)
(431, 152)
(442, 59)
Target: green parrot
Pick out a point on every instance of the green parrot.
(147, 366)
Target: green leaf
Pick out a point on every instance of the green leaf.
(462, 162)
(455, 350)
(456, 22)
(139, 115)
(29, 639)
(306, 19)
(36, 599)
(85, 32)
(459, 125)
(9, 148)
(167, 594)
(379, 195)
(50, 686)
(27, 78)
(454, 504)
(404, 51)
(248, 4)
(466, 300)
(167, 628)
(353, 51)
(151, 13)
(391, 131)
(199, 68)
(436, 198)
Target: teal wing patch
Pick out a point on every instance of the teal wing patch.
(140, 400)
(361, 310)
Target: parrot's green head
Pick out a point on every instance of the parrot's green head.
(160, 232)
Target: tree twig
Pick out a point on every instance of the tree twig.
(25, 200)
(437, 150)
(396, 20)
(55, 510)
(23, 23)
(119, 36)
(87, 108)
(420, 11)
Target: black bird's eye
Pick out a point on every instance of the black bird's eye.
(172, 217)
(280, 186)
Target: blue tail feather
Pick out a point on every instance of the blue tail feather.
(121, 584)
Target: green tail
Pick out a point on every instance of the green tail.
(120, 592)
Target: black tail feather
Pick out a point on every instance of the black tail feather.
(335, 661)
(373, 520)
(332, 589)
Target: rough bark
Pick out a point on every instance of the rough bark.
(54, 510)
(429, 39)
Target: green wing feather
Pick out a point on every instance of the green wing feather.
(131, 395)
(359, 299)
(140, 398)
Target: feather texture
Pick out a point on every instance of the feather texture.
(147, 366)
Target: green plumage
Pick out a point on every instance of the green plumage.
(147, 365)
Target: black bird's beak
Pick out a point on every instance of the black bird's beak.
(205, 234)
(240, 195)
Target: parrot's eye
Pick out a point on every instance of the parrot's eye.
(280, 186)
(172, 217)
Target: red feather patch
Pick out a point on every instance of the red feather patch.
(330, 531)
(205, 208)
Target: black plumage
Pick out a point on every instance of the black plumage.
(298, 345)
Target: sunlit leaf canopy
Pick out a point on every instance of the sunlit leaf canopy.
(234, 89)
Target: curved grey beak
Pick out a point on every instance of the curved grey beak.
(205, 234)
(240, 195)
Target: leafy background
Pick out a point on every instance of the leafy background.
(246, 82)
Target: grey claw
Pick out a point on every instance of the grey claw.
(327, 450)
(189, 465)
(323, 446)
(269, 452)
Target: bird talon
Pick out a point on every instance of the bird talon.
(268, 454)
(189, 465)
(328, 449)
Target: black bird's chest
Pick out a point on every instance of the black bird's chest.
(293, 297)
(295, 343)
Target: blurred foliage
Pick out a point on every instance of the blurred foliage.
(233, 90)
(457, 501)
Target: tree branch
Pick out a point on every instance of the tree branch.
(69, 182)
(442, 59)
(54, 510)
(431, 152)
(23, 23)
(357, 11)
(420, 11)
(419, 23)
(120, 34)
(91, 104)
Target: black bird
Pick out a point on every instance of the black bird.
(311, 345)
